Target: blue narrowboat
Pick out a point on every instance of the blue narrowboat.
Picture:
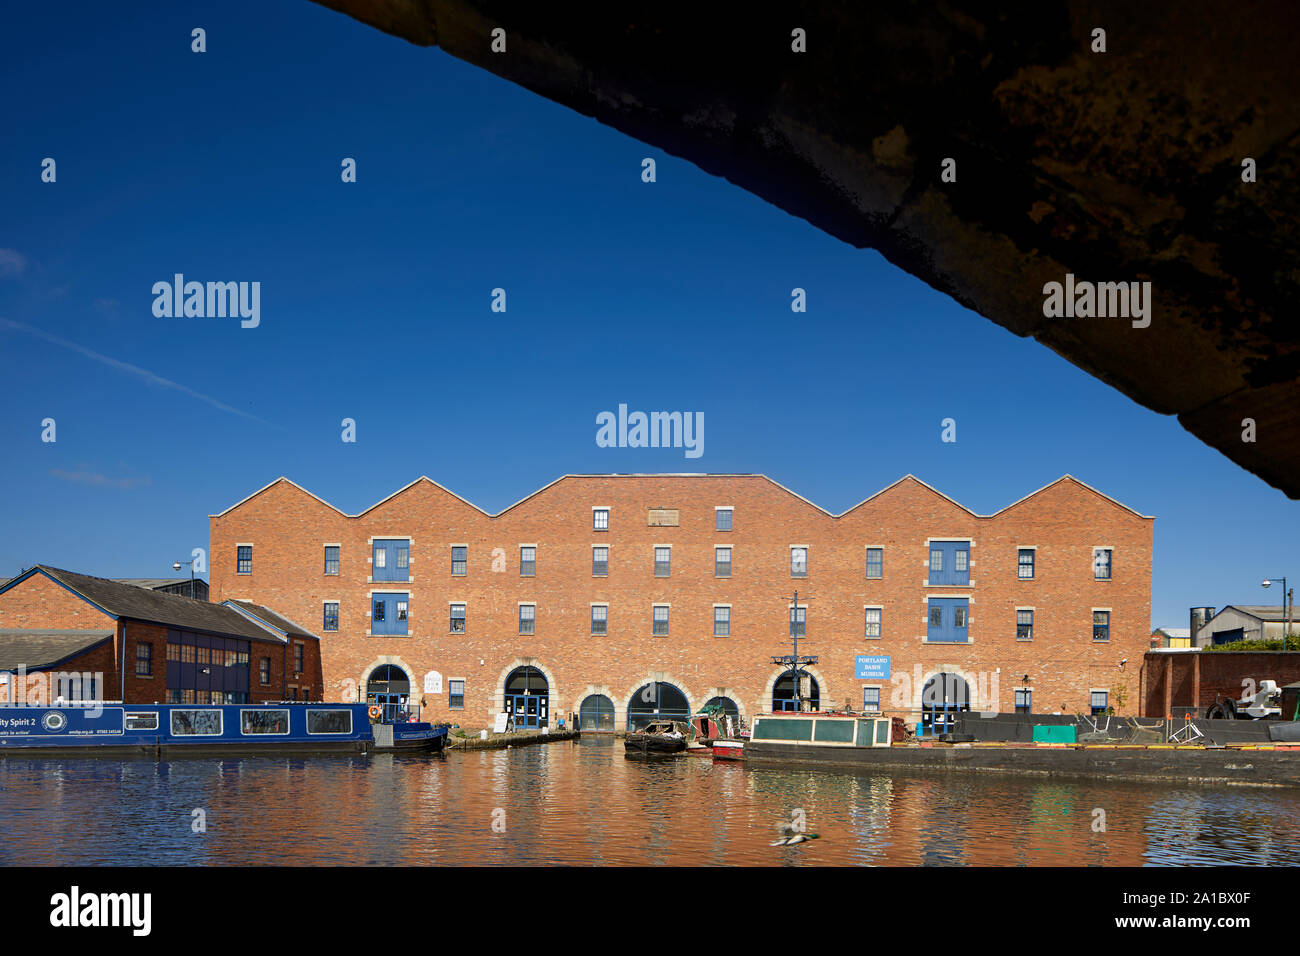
(171, 729)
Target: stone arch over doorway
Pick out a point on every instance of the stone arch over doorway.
(654, 677)
(498, 706)
(765, 703)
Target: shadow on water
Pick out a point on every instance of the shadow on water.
(582, 802)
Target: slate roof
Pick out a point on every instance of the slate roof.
(159, 607)
(278, 621)
(41, 647)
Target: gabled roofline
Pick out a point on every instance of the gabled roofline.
(261, 622)
(758, 475)
(40, 569)
(911, 477)
(273, 484)
(1083, 484)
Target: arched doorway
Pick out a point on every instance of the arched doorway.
(390, 688)
(528, 697)
(657, 701)
(942, 699)
(596, 713)
(783, 692)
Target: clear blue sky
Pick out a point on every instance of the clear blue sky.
(375, 306)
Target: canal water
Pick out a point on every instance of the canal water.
(581, 802)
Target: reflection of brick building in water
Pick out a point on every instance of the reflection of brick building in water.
(622, 596)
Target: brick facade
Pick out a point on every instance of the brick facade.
(289, 528)
(1173, 681)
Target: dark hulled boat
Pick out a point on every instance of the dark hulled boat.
(659, 738)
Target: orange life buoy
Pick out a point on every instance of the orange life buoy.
(375, 711)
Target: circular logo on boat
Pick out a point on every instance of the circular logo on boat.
(53, 721)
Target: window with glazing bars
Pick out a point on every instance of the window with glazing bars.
(1101, 625)
(527, 617)
(1026, 563)
(458, 619)
(875, 562)
(459, 560)
(599, 562)
(798, 621)
(663, 562)
(1024, 625)
(527, 562)
(722, 562)
(599, 618)
(721, 621)
(331, 616)
(660, 621)
(722, 520)
(331, 559)
(244, 559)
(873, 622)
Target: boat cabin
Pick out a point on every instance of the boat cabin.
(822, 730)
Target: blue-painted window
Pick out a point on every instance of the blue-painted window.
(458, 619)
(722, 519)
(875, 562)
(1101, 625)
(798, 621)
(264, 670)
(331, 559)
(1024, 625)
(456, 694)
(949, 563)
(660, 620)
(331, 616)
(722, 562)
(144, 659)
(392, 559)
(599, 618)
(527, 618)
(722, 622)
(948, 621)
(600, 519)
(388, 613)
(527, 562)
(244, 559)
(871, 699)
(1101, 564)
(299, 662)
(459, 561)
(1024, 700)
(1026, 564)
(872, 615)
(599, 562)
(1100, 702)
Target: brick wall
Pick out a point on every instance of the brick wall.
(1199, 679)
(289, 528)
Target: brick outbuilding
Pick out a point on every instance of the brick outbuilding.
(64, 634)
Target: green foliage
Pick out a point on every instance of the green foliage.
(1292, 644)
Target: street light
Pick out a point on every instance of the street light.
(1287, 603)
(176, 566)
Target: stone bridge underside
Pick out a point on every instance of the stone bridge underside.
(1116, 166)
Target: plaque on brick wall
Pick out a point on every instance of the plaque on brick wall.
(664, 518)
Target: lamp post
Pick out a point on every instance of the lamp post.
(176, 566)
(1287, 603)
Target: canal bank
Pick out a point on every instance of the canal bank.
(1243, 766)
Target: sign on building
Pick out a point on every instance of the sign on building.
(866, 667)
(433, 683)
(663, 518)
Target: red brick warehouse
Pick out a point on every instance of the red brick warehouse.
(596, 587)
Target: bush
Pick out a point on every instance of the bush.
(1293, 644)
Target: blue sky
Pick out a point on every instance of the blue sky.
(375, 306)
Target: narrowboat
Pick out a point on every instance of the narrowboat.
(659, 738)
(171, 729)
(729, 749)
(794, 735)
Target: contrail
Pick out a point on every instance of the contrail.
(130, 369)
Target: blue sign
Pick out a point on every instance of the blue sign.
(871, 668)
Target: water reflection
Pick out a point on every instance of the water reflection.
(581, 802)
